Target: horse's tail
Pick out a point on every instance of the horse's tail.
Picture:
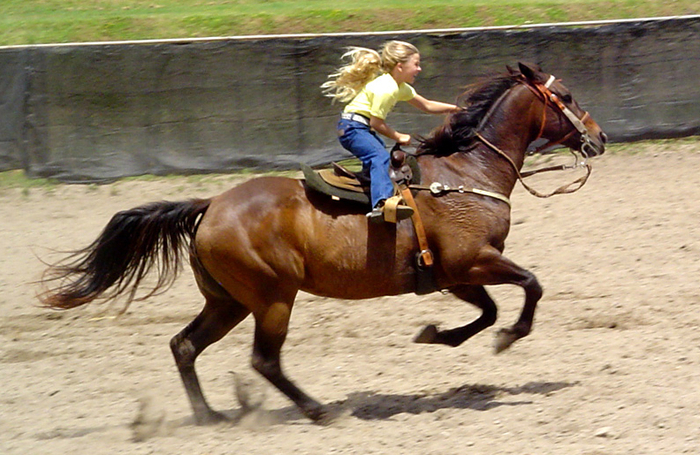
(132, 243)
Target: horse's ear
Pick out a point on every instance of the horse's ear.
(512, 71)
(532, 72)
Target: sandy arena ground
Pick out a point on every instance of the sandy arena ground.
(612, 367)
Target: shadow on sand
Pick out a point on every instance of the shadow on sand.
(371, 405)
(368, 405)
(478, 397)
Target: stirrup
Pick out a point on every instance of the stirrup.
(392, 211)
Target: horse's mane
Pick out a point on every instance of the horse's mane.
(457, 133)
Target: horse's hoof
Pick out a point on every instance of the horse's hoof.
(428, 335)
(320, 415)
(504, 338)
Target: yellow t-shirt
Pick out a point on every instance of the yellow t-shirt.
(379, 97)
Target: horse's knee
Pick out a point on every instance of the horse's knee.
(533, 288)
(183, 350)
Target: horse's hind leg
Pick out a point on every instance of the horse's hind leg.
(476, 295)
(219, 316)
(270, 332)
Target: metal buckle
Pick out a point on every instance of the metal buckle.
(437, 188)
(424, 259)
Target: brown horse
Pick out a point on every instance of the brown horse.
(255, 246)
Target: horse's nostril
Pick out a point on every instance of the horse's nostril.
(603, 137)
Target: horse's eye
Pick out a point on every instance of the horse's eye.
(566, 98)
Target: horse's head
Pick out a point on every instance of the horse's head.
(498, 105)
(563, 120)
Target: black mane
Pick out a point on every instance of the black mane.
(457, 133)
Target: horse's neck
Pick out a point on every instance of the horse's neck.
(513, 133)
(481, 167)
(507, 130)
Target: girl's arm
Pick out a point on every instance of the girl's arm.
(432, 107)
(380, 126)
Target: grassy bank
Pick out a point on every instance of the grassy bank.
(60, 21)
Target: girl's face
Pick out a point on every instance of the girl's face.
(407, 71)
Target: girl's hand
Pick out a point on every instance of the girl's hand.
(403, 139)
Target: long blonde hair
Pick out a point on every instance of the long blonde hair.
(365, 65)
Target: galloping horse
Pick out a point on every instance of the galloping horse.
(255, 246)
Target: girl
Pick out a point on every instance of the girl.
(371, 84)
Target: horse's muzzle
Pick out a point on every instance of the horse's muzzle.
(594, 146)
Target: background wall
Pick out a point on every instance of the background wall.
(98, 112)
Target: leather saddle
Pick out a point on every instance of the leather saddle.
(340, 183)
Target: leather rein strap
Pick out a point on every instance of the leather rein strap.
(564, 189)
(543, 92)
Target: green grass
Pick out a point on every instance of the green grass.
(18, 179)
(656, 145)
(60, 21)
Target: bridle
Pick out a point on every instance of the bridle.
(425, 257)
(543, 90)
(546, 95)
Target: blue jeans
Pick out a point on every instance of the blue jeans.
(366, 144)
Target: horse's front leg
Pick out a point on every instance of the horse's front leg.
(490, 268)
(493, 268)
(476, 295)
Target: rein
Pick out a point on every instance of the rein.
(564, 189)
(543, 92)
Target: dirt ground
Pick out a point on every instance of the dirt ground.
(612, 367)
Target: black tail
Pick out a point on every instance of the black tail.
(132, 243)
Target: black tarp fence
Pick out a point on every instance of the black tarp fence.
(96, 112)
